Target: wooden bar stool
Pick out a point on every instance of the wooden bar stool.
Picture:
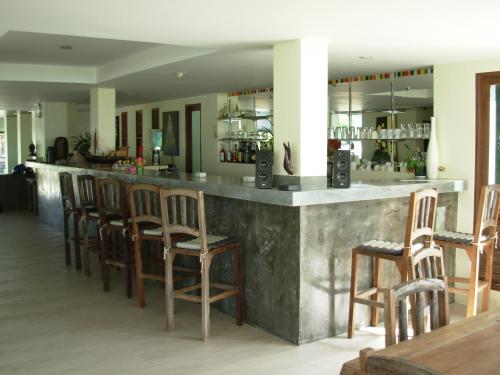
(483, 239)
(32, 191)
(88, 206)
(113, 211)
(70, 209)
(419, 234)
(183, 211)
(145, 218)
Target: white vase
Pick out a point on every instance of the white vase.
(432, 162)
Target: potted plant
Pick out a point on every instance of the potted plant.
(416, 162)
(81, 143)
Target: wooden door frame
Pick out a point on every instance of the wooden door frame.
(189, 134)
(481, 166)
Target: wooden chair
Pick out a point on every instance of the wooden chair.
(145, 218)
(183, 211)
(426, 263)
(114, 215)
(483, 239)
(396, 311)
(419, 234)
(87, 190)
(70, 209)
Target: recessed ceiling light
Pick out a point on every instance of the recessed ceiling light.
(365, 57)
(66, 47)
(180, 75)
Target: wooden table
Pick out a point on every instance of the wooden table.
(471, 346)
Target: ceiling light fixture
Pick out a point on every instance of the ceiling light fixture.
(66, 47)
(365, 57)
(180, 75)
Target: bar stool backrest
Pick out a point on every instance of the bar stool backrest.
(144, 204)
(67, 192)
(487, 215)
(111, 200)
(87, 189)
(421, 216)
(396, 311)
(183, 212)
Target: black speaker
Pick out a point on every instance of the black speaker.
(341, 173)
(264, 169)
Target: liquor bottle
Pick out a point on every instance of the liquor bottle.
(246, 153)
(235, 154)
(222, 154)
(253, 155)
(240, 152)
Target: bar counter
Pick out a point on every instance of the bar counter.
(296, 246)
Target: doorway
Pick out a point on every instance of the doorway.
(487, 160)
(193, 138)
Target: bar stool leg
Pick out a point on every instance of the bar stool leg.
(488, 275)
(138, 273)
(86, 261)
(376, 284)
(352, 294)
(128, 265)
(169, 292)
(67, 248)
(76, 230)
(205, 299)
(473, 281)
(240, 297)
(104, 258)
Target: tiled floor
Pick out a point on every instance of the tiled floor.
(55, 320)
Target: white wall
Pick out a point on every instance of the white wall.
(24, 135)
(210, 105)
(12, 142)
(454, 108)
(59, 119)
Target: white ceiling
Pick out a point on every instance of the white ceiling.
(231, 41)
(33, 48)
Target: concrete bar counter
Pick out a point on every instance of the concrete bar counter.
(296, 246)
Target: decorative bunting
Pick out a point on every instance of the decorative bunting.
(369, 77)
(375, 77)
(250, 92)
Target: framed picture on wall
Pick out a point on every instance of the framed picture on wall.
(170, 128)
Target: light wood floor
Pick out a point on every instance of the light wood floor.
(55, 320)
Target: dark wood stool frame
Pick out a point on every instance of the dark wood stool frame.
(112, 204)
(70, 209)
(87, 190)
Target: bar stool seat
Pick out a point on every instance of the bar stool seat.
(458, 237)
(118, 223)
(153, 232)
(384, 247)
(213, 242)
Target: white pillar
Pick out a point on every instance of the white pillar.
(300, 69)
(24, 136)
(12, 144)
(102, 118)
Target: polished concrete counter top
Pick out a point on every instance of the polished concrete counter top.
(313, 190)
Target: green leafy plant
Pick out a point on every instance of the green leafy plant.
(415, 162)
(82, 142)
(268, 140)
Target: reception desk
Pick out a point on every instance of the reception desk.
(296, 246)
